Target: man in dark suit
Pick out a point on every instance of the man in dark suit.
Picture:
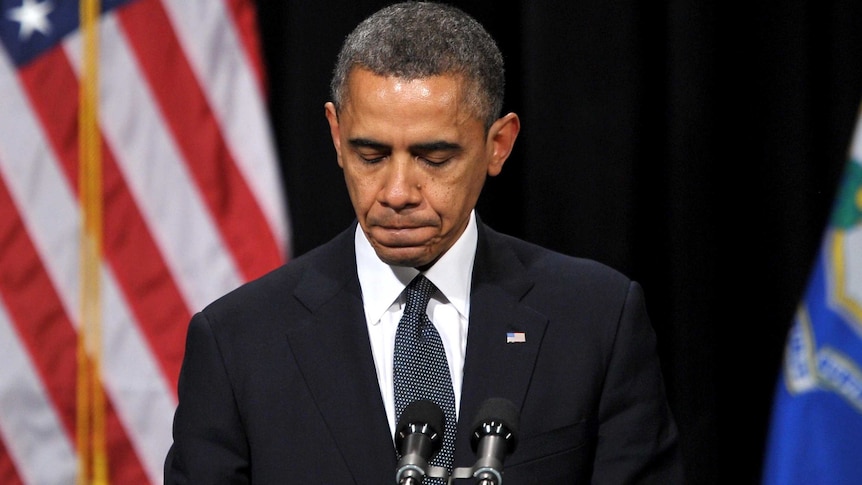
(289, 379)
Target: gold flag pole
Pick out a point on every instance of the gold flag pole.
(92, 450)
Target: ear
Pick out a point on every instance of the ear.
(501, 139)
(334, 131)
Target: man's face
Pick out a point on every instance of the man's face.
(414, 159)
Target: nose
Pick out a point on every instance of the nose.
(401, 186)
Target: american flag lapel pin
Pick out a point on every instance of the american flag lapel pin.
(516, 337)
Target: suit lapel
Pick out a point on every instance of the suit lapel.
(493, 367)
(333, 353)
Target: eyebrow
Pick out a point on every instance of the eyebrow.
(435, 146)
(431, 146)
(366, 143)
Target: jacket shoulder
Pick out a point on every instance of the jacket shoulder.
(324, 266)
(553, 267)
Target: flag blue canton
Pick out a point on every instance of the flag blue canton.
(60, 18)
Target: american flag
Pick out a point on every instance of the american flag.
(516, 337)
(192, 207)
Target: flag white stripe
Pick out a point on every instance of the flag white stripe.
(139, 391)
(29, 425)
(156, 174)
(206, 32)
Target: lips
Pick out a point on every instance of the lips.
(402, 235)
(392, 224)
(399, 230)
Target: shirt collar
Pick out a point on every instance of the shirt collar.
(382, 284)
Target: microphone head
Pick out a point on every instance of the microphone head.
(423, 416)
(497, 416)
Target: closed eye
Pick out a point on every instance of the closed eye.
(436, 153)
(370, 151)
(435, 162)
(372, 159)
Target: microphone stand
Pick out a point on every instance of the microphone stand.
(485, 474)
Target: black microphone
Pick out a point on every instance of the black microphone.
(418, 437)
(494, 437)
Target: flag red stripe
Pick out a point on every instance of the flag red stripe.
(8, 473)
(134, 257)
(45, 329)
(194, 127)
(244, 15)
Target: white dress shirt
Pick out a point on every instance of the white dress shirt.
(382, 295)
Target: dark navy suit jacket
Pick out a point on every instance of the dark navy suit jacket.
(278, 385)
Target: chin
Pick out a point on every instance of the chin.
(414, 258)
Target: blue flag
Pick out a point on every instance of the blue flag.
(816, 430)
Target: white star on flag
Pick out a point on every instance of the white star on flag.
(32, 16)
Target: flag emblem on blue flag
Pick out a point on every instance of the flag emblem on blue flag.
(816, 423)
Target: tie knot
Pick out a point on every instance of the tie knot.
(418, 293)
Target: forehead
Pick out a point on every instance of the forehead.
(436, 97)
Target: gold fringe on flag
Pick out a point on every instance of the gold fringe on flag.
(92, 450)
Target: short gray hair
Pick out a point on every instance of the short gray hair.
(415, 40)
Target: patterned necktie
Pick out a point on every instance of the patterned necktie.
(420, 369)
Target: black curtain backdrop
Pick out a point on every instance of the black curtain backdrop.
(695, 145)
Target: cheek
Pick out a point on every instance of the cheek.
(452, 201)
(361, 191)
